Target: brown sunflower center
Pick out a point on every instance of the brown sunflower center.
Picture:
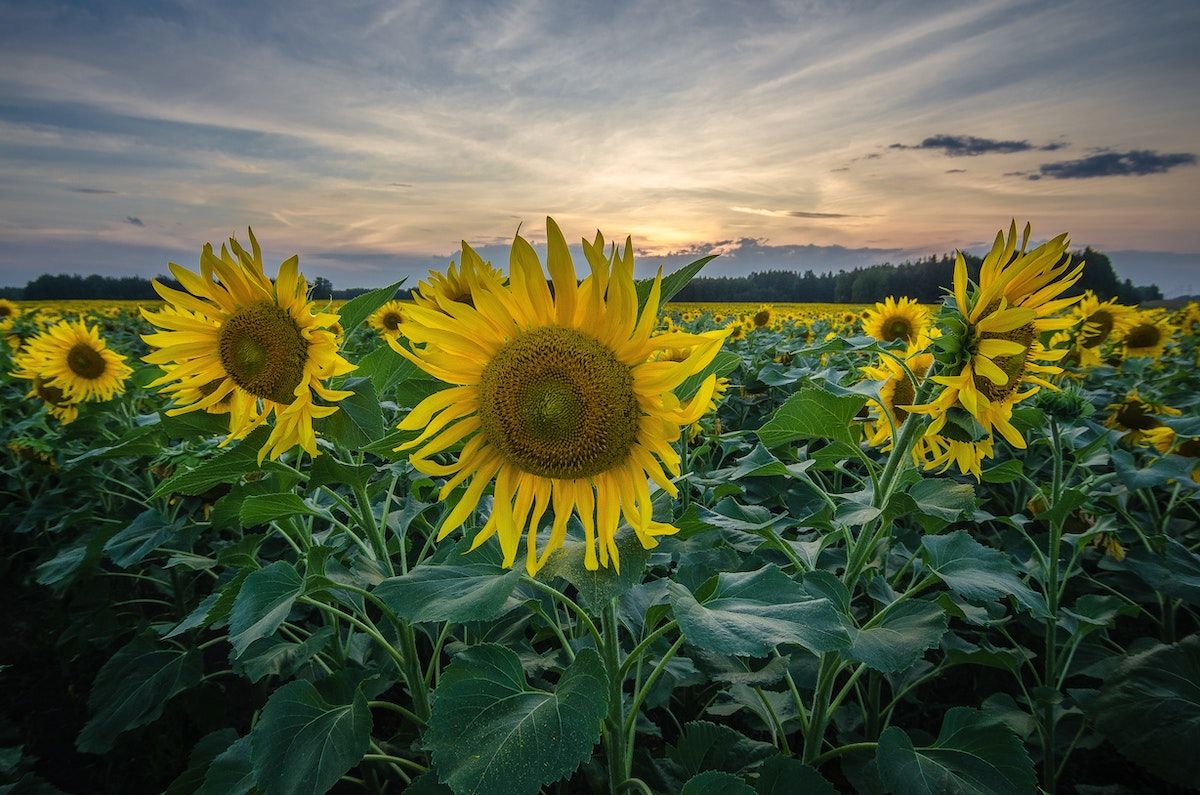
(1103, 321)
(1135, 415)
(903, 394)
(1144, 335)
(559, 404)
(1013, 365)
(762, 317)
(263, 351)
(85, 361)
(391, 321)
(5, 311)
(897, 328)
(48, 392)
(1190, 448)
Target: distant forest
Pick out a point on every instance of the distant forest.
(923, 280)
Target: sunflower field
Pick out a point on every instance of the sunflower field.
(525, 533)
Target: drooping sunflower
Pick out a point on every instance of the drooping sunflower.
(457, 283)
(1148, 334)
(53, 398)
(1098, 322)
(1165, 440)
(561, 402)
(8, 313)
(893, 320)
(895, 395)
(234, 338)
(387, 318)
(1000, 359)
(1137, 416)
(74, 358)
(937, 452)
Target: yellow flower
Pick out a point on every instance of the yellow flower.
(1099, 321)
(387, 318)
(75, 359)
(762, 317)
(54, 399)
(1148, 334)
(1135, 416)
(896, 394)
(233, 338)
(560, 401)
(457, 284)
(8, 312)
(1002, 357)
(898, 320)
(936, 452)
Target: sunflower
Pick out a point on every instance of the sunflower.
(1099, 321)
(1165, 440)
(457, 283)
(938, 452)
(896, 393)
(387, 319)
(57, 404)
(233, 338)
(560, 400)
(762, 316)
(8, 313)
(898, 320)
(997, 356)
(1136, 416)
(74, 358)
(1148, 334)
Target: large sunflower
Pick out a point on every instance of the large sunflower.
(387, 318)
(75, 359)
(1000, 359)
(1148, 334)
(562, 401)
(234, 341)
(1099, 321)
(894, 320)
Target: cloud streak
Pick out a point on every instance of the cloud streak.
(1135, 163)
(972, 146)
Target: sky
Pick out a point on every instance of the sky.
(371, 137)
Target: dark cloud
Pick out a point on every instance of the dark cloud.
(92, 190)
(968, 145)
(133, 220)
(1134, 163)
(956, 171)
(802, 214)
(843, 168)
(1054, 147)
(400, 184)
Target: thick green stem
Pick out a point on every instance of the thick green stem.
(618, 773)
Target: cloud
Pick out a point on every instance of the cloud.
(968, 145)
(1134, 163)
(91, 190)
(956, 171)
(787, 213)
(134, 220)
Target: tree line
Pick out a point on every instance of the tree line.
(924, 280)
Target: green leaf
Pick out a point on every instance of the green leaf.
(386, 369)
(443, 592)
(203, 752)
(358, 420)
(231, 772)
(709, 746)
(901, 638)
(750, 613)
(716, 782)
(724, 363)
(973, 753)
(976, 572)
(597, 587)
(262, 604)
(1175, 573)
(782, 775)
(1004, 472)
(272, 656)
(672, 283)
(262, 508)
(942, 498)
(813, 413)
(1149, 708)
(303, 744)
(493, 734)
(133, 687)
(227, 467)
(356, 310)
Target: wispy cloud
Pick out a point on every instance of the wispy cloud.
(787, 213)
(92, 190)
(134, 221)
(970, 145)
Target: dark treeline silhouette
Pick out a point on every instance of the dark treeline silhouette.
(925, 280)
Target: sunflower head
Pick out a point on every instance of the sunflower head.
(902, 319)
(1136, 416)
(232, 341)
(762, 316)
(1147, 334)
(74, 359)
(387, 318)
(8, 313)
(896, 394)
(562, 403)
(457, 284)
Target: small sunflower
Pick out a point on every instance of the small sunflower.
(1137, 416)
(1165, 440)
(1000, 359)
(57, 404)
(457, 283)
(762, 317)
(1148, 334)
(559, 401)
(8, 313)
(234, 339)
(895, 395)
(387, 318)
(74, 358)
(1099, 321)
(893, 320)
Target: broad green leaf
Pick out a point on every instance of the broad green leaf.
(724, 363)
(358, 420)
(272, 656)
(226, 467)
(942, 498)
(976, 572)
(597, 587)
(1149, 708)
(303, 744)
(358, 309)
(901, 638)
(1176, 572)
(262, 508)
(445, 592)
(750, 613)
(231, 772)
(493, 734)
(386, 369)
(328, 471)
(813, 413)
(133, 687)
(262, 604)
(202, 754)
(716, 782)
(1004, 472)
(672, 283)
(709, 746)
(782, 775)
(973, 753)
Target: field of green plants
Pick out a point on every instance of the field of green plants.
(901, 549)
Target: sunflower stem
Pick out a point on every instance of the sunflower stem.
(618, 773)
